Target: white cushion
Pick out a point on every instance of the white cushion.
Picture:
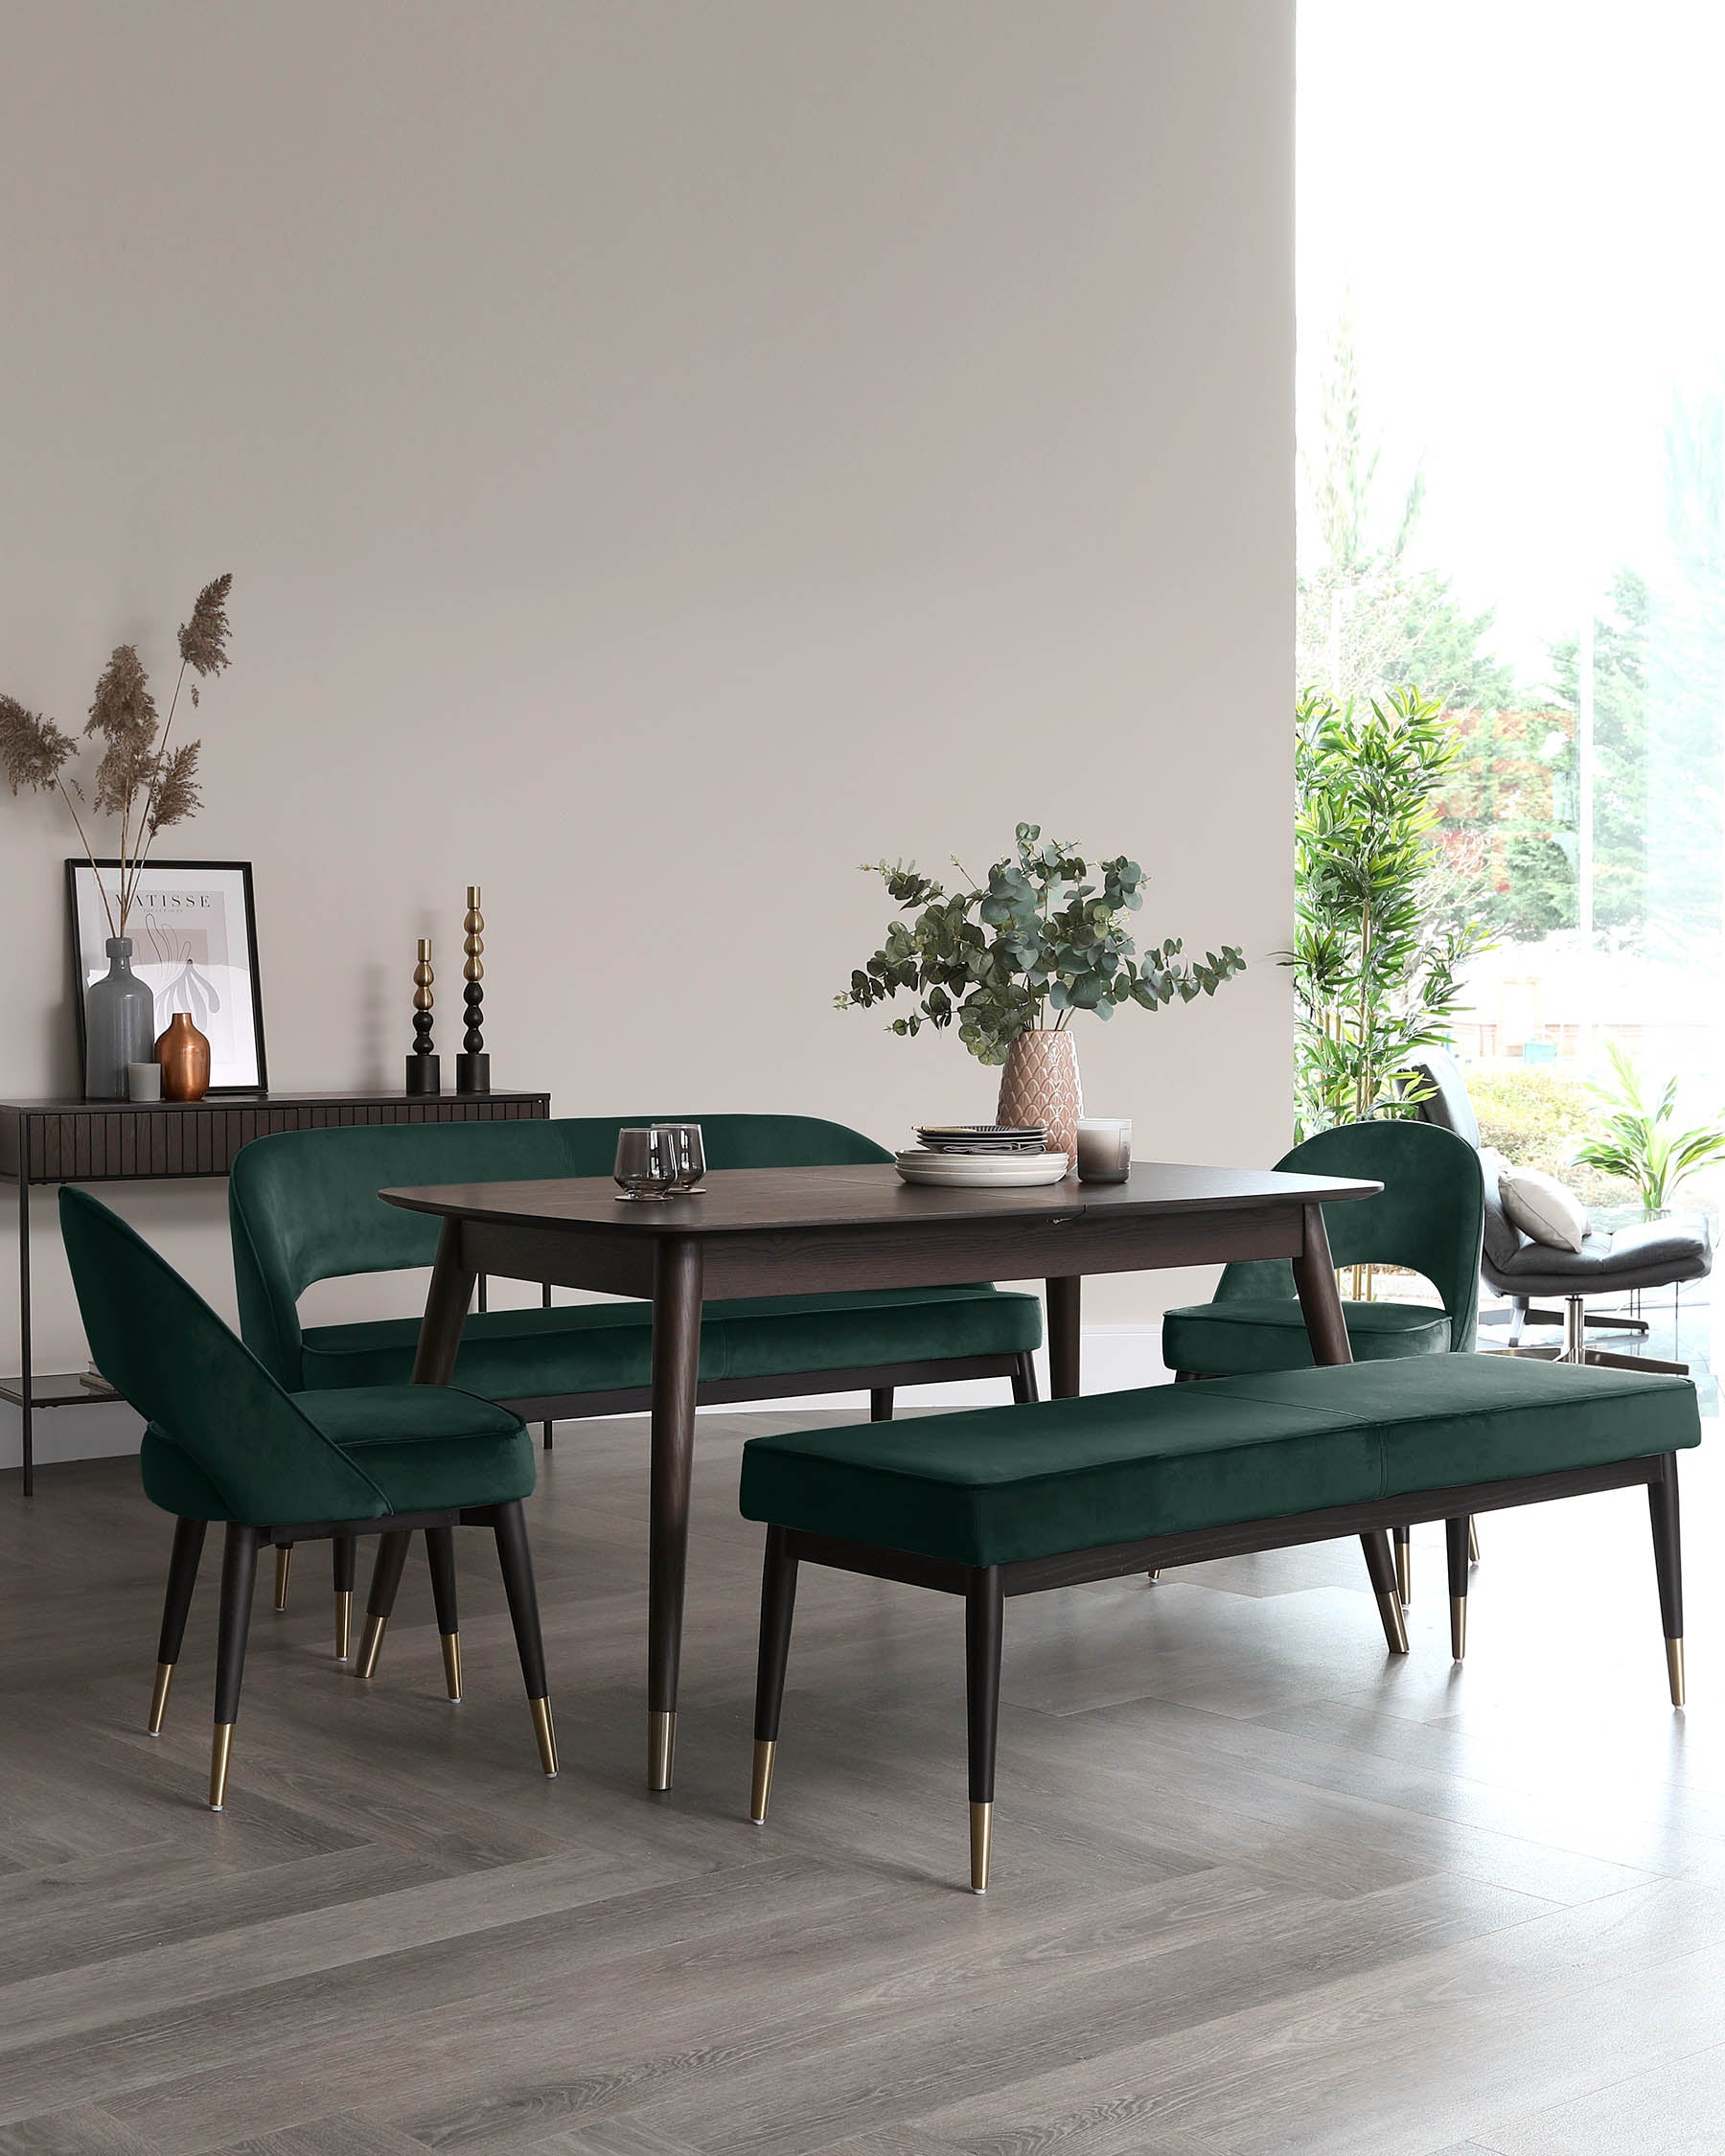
(1540, 1206)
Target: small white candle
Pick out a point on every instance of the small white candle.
(1104, 1149)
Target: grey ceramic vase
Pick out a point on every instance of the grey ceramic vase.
(119, 1024)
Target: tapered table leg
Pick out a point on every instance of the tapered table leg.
(447, 1301)
(676, 1365)
(1064, 1301)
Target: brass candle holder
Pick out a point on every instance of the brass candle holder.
(473, 1067)
(425, 1074)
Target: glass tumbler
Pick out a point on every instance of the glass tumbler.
(645, 1167)
(688, 1156)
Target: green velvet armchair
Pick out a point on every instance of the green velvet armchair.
(226, 1442)
(1429, 1218)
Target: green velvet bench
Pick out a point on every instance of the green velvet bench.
(303, 1206)
(1011, 1501)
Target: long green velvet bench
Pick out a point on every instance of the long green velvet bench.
(1011, 1501)
(304, 1208)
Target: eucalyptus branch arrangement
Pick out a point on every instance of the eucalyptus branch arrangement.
(1022, 953)
(139, 779)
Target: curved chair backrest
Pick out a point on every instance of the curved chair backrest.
(303, 1205)
(1447, 1104)
(201, 1391)
(1429, 1216)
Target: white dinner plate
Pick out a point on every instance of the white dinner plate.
(960, 1171)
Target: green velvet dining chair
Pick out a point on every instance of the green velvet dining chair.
(1428, 1219)
(226, 1442)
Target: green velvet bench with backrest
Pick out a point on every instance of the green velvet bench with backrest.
(1012, 1501)
(304, 1208)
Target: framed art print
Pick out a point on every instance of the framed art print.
(195, 942)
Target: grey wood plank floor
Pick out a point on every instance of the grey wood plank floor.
(1258, 1890)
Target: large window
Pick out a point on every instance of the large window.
(1512, 432)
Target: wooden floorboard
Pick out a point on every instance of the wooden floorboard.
(1258, 1890)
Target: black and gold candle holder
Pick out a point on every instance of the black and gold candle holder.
(425, 1074)
(473, 1067)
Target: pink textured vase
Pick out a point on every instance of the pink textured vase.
(1040, 1084)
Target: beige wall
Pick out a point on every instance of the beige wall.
(668, 452)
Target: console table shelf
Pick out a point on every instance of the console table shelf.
(54, 1141)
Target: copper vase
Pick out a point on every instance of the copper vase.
(184, 1055)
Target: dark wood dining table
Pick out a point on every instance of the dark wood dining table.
(766, 1231)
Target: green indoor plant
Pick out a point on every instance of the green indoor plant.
(1635, 1139)
(1011, 960)
(1377, 946)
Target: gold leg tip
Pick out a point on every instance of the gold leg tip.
(661, 1747)
(451, 1662)
(1396, 1631)
(1675, 1669)
(546, 1734)
(761, 1788)
(158, 1697)
(1154, 1577)
(981, 1846)
(344, 1622)
(284, 1565)
(220, 1751)
(1457, 1627)
(370, 1645)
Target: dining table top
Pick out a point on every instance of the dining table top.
(739, 1201)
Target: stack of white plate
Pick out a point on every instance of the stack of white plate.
(981, 1156)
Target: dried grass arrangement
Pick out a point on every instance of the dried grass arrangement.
(139, 779)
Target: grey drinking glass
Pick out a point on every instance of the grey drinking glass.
(645, 1167)
(688, 1156)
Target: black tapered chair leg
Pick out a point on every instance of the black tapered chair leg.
(1668, 1562)
(1380, 1567)
(1456, 1538)
(176, 1607)
(514, 1558)
(387, 1578)
(440, 1550)
(880, 1404)
(238, 1581)
(344, 1553)
(984, 1622)
(545, 1429)
(1024, 1378)
(778, 1605)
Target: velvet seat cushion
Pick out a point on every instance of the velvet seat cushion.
(1237, 1339)
(422, 1447)
(608, 1347)
(996, 1484)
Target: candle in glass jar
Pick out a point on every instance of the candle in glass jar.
(1104, 1149)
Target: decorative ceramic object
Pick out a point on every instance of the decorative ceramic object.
(119, 1024)
(144, 1081)
(425, 1074)
(473, 1067)
(184, 1055)
(1040, 1084)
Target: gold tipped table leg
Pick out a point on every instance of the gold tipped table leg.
(344, 1622)
(282, 1566)
(220, 1751)
(760, 1791)
(661, 1747)
(371, 1644)
(1674, 1669)
(981, 1838)
(451, 1658)
(1457, 1627)
(546, 1733)
(158, 1697)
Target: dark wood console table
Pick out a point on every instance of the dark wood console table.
(48, 1141)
